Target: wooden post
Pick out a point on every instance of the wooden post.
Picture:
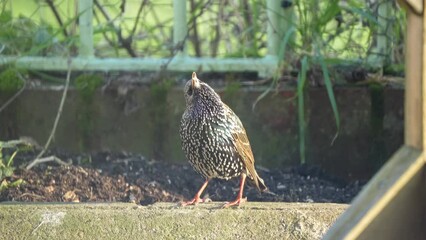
(423, 107)
(413, 82)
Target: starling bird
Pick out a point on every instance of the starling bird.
(215, 141)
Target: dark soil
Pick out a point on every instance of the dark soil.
(127, 177)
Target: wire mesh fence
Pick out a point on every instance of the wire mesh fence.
(357, 29)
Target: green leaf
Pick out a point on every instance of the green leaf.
(17, 183)
(301, 109)
(4, 185)
(330, 13)
(284, 42)
(8, 171)
(9, 163)
(330, 92)
(261, 96)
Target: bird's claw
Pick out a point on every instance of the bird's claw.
(194, 201)
(237, 202)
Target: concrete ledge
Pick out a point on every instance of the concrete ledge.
(167, 221)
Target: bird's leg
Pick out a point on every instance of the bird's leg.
(240, 198)
(197, 198)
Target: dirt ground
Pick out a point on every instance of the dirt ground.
(126, 177)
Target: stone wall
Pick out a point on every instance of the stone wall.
(146, 120)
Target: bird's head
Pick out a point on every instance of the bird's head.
(199, 94)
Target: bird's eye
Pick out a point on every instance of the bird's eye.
(189, 92)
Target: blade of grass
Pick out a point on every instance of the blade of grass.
(9, 163)
(330, 93)
(284, 43)
(332, 9)
(301, 79)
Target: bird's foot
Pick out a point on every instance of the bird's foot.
(194, 201)
(237, 202)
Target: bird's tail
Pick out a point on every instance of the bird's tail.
(258, 183)
(261, 184)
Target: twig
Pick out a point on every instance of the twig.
(16, 94)
(158, 22)
(248, 21)
(57, 16)
(25, 141)
(46, 159)
(110, 42)
(195, 39)
(103, 11)
(125, 42)
(142, 6)
(216, 40)
(58, 116)
(33, 195)
(109, 22)
(123, 6)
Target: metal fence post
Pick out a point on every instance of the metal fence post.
(381, 51)
(85, 9)
(272, 8)
(180, 27)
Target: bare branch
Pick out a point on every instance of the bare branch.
(57, 16)
(195, 39)
(142, 6)
(126, 43)
(216, 40)
(46, 159)
(110, 42)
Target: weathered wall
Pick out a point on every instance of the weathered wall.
(167, 221)
(146, 120)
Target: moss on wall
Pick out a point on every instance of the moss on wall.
(9, 80)
(159, 113)
(377, 150)
(86, 86)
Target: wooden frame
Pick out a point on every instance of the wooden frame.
(393, 204)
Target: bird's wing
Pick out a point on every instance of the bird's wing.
(242, 145)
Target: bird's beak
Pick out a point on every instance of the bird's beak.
(195, 81)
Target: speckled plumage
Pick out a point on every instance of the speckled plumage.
(213, 137)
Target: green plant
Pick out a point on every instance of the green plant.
(315, 40)
(86, 85)
(9, 80)
(231, 89)
(16, 33)
(6, 168)
(6, 163)
(311, 40)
